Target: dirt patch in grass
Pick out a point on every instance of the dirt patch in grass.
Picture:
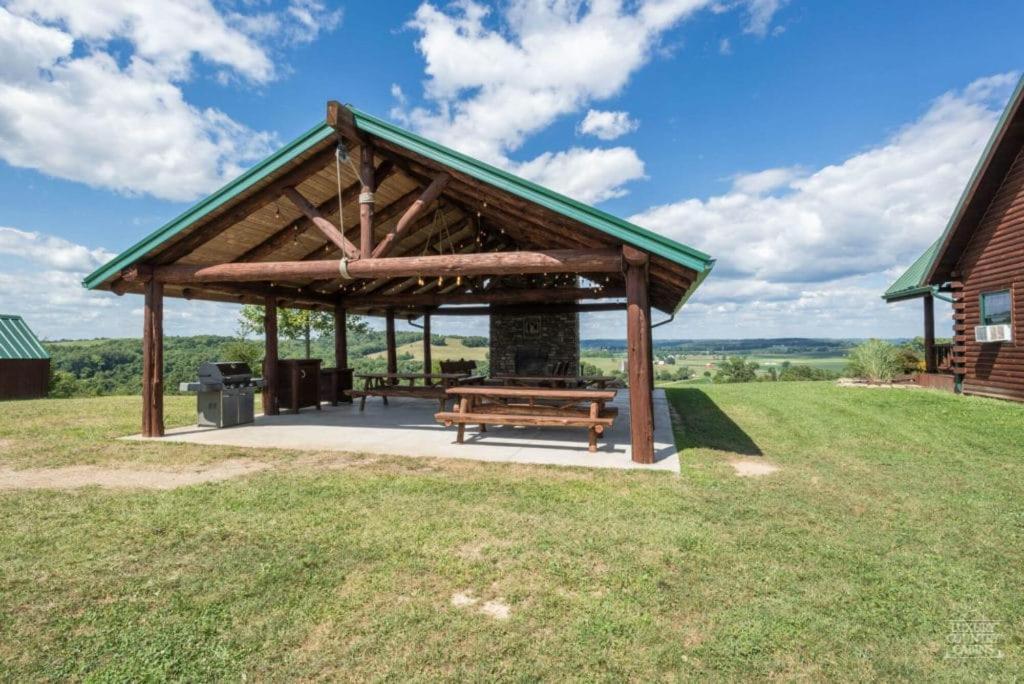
(753, 468)
(461, 599)
(497, 609)
(75, 477)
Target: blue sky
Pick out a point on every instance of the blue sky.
(813, 148)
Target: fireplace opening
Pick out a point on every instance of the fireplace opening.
(531, 361)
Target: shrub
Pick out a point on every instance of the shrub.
(802, 372)
(875, 361)
(737, 369)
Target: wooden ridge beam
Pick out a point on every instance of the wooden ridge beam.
(509, 296)
(340, 118)
(329, 230)
(491, 263)
(432, 192)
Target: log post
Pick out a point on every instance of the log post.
(153, 361)
(390, 335)
(427, 362)
(270, 403)
(638, 351)
(650, 355)
(929, 334)
(340, 337)
(366, 176)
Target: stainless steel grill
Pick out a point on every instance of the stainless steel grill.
(225, 393)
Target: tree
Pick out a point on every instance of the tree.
(737, 369)
(296, 324)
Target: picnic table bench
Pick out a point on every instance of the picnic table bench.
(433, 386)
(595, 381)
(530, 406)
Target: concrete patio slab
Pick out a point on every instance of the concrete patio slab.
(406, 427)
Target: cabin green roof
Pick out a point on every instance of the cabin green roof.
(618, 228)
(911, 284)
(17, 341)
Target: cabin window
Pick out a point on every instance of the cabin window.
(996, 308)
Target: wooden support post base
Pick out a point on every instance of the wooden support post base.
(638, 349)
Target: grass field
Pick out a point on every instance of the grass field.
(700, 363)
(452, 349)
(893, 515)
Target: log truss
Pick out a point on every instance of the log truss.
(400, 206)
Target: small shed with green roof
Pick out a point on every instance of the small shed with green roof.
(24, 362)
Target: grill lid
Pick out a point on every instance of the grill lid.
(224, 372)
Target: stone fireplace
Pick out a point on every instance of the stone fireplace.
(533, 344)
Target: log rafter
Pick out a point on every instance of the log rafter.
(294, 229)
(330, 231)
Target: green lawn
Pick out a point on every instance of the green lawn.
(894, 514)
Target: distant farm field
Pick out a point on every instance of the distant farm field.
(701, 363)
(452, 349)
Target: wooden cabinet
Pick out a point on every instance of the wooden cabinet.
(298, 383)
(335, 384)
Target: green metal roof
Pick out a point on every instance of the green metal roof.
(254, 175)
(17, 341)
(641, 238)
(910, 284)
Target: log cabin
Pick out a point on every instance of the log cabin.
(977, 264)
(360, 216)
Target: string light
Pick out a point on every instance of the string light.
(458, 280)
(419, 281)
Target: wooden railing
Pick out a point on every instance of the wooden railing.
(942, 355)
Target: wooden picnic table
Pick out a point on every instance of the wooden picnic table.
(526, 406)
(598, 381)
(386, 385)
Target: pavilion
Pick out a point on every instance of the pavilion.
(422, 231)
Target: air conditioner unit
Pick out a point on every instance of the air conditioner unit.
(993, 333)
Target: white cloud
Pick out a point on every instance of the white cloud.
(760, 182)
(607, 125)
(166, 34)
(589, 175)
(51, 251)
(78, 105)
(494, 81)
(41, 279)
(760, 15)
(825, 245)
(725, 46)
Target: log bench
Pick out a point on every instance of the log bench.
(530, 406)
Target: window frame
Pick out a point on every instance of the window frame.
(1008, 291)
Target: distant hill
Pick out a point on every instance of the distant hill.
(776, 345)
